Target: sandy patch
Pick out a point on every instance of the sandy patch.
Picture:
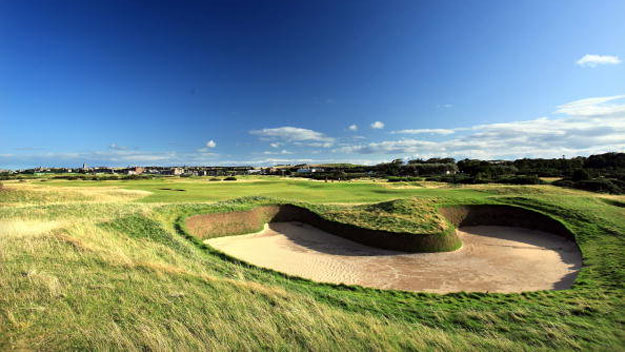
(492, 259)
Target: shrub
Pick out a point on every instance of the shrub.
(105, 178)
(230, 178)
(331, 175)
(69, 177)
(403, 179)
(580, 175)
(520, 180)
(215, 179)
(601, 185)
(457, 179)
(564, 183)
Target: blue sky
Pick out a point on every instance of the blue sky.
(264, 82)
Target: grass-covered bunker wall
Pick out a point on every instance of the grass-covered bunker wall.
(504, 215)
(221, 224)
(239, 222)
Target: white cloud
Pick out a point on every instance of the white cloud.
(387, 147)
(425, 131)
(586, 126)
(293, 161)
(211, 144)
(353, 127)
(316, 144)
(589, 127)
(291, 134)
(592, 107)
(377, 125)
(282, 152)
(595, 60)
(267, 161)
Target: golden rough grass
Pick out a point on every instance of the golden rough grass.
(26, 228)
(129, 295)
(29, 193)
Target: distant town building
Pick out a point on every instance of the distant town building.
(103, 170)
(134, 171)
(176, 171)
(305, 169)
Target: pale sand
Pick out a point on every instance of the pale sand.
(492, 259)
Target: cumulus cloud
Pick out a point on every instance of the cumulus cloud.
(295, 135)
(288, 133)
(589, 60)
(590, 126)
(211, 144)
(377, 125)
(275, 145)
(353, 127)
(425, 131)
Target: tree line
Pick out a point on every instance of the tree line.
(598, 173)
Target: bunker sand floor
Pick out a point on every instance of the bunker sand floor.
(492, 259)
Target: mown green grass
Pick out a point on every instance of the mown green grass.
(114, 272)
(200, 189)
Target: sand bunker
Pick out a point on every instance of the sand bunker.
(492, 259)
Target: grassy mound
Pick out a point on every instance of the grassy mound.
(233, 223)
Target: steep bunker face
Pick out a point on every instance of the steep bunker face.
(504, 249)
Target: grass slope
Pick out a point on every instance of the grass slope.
(109, 270)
